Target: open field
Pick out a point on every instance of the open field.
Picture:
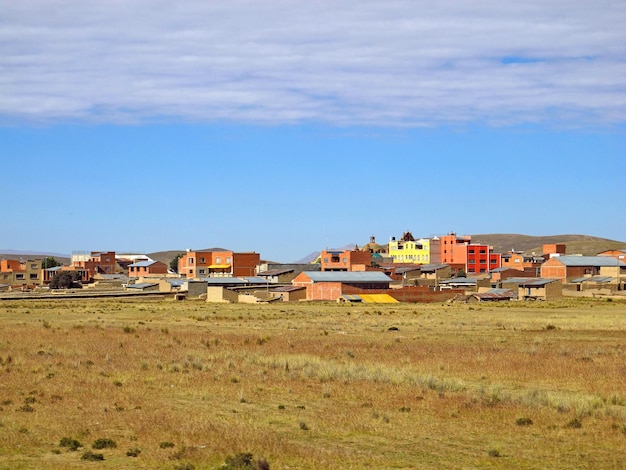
(181, 385)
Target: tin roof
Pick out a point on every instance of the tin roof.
(599, 261)
(142, 264)
(275, 272)
(599, 279)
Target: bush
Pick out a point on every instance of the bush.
(72, 444)
(104, 443)
(92, 456)
(66, 280)
(243, 461)
(133, 452)
(524, 421)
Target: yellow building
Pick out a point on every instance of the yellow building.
(409, 250)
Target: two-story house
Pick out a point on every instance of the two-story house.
(217, 262)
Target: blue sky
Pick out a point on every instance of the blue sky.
(288, 127)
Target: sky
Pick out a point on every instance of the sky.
(288, 127)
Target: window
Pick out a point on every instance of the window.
(33, 266)
(218, 260)
(19, 277)
(516, 260)
(201, 271)
(202, 260)
(483, 261)
(228, 260)
(33, 277)
(345, 260)
(190, 260)
(482, 252)
(471, 252)
(471, 261)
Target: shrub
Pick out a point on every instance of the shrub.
(92, 456)
(72, 444)
(524, 421)
(494, 453)
(576, 423)
(133, 452)
(104, 443)
(303, 426)
(166, 445)
(244, 461)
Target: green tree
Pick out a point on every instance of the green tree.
(174, 262)
(49, 262)
(65, 280)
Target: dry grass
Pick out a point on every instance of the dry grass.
(313, 385)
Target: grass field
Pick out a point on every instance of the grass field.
(184, 385)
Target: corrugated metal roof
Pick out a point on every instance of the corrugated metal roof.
(598, 261)
(287, 288)
(407, 270)
(275, 272)
(432, 267)
(141, 285)
(348, 276)
(142, 264)
(460, 280)
(218, 281)
(255, 280)
(599, 279)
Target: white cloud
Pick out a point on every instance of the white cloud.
(341, 62)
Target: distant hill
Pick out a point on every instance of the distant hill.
(575, 244)
(27, 254)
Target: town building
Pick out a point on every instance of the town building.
(462, 255)
(409, 250)
(218, 262)
(330, 285)
(20, 273)
(345, 260)
(147, 268)
(568, 267)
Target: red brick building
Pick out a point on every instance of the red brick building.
(198, 264)
(462, 255)
(147, 268)
(345, 260)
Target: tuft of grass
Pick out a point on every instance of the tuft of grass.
(104, 443)
(93, 456)
(166, 445)
(133, 452)
(575, 423)
(72, 444)
(524, 421)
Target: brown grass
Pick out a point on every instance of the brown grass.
(314, 385)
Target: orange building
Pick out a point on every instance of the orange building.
(20, 273)
(520, 261)
(461, 254)
(345, 260)
(198, 264)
